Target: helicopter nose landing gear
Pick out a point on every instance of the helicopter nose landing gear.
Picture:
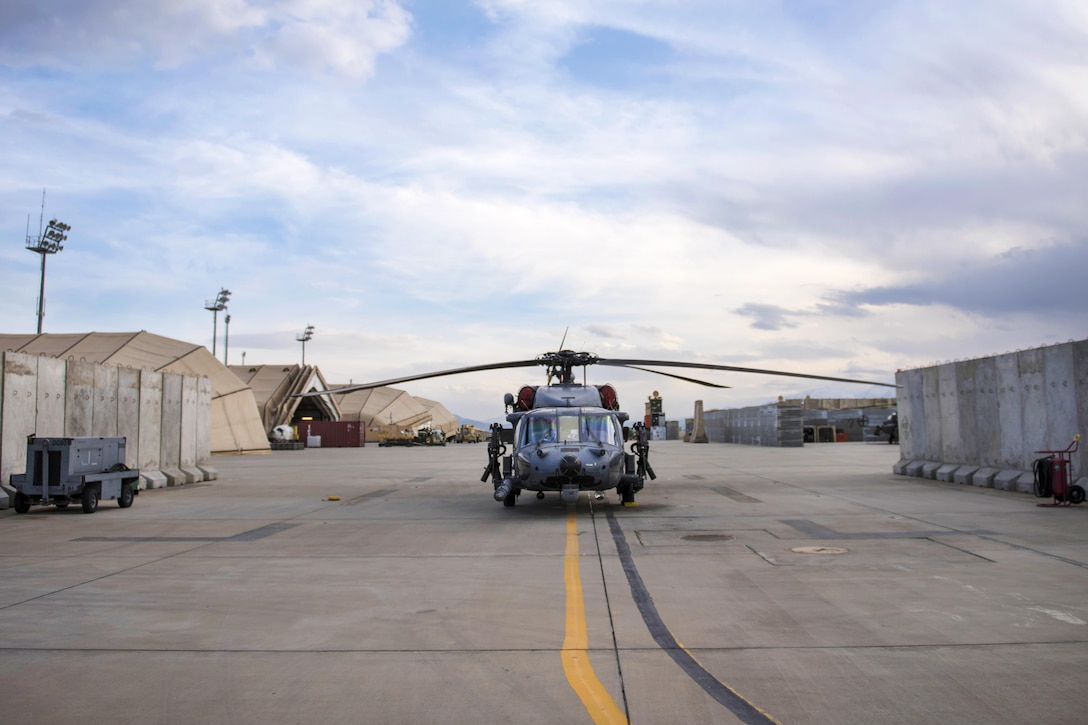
(570, 492)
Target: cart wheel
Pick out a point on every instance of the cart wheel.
(125, 499)
(1076, 494)
(90, 500)
(22, 503)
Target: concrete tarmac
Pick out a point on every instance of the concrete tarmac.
(805, 585)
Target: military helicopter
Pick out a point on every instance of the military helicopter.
(568, 437)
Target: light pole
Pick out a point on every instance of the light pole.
(215, 307)
(305, 336)
(226, 339)
(48, 243)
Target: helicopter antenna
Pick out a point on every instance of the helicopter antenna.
(562, 342)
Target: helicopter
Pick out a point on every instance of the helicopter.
(568, 437)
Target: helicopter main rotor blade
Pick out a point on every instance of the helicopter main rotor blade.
(735, 369)
(564, 360)
(678, 377)
(421, 376)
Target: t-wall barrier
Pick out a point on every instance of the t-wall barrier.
(165, 417)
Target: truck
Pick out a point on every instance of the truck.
(469, 434)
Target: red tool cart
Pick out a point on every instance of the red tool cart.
(1054, 476)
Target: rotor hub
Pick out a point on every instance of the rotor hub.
(561, 363)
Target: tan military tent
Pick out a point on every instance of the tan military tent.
(273, 386)
(390, 412)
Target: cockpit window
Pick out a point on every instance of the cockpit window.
(569, 427)
(598, 428)
(540, 428)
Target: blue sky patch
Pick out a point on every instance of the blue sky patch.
(618, 59)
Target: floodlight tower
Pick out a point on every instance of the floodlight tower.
(49, 242)
(226, 339)
(304, 337)
(215, 307)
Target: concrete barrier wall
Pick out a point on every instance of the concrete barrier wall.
(104, 421)
(170, 440)
(48, 396)
(79, 394)
(128, 413)
(982, 421)
(986, 412)
(187, 448)
(204, 423)
(151, 426)
(19, 404)
(51, 397)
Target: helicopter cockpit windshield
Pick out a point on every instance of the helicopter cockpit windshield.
(569, 426)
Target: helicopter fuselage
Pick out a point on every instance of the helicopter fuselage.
(558, 447)
(565, 440)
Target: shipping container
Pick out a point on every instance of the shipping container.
(334, 434)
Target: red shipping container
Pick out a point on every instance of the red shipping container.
(334, 433)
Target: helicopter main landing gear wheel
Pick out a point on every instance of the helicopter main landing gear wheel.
(511, 499)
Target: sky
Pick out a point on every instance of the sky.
(835, 188)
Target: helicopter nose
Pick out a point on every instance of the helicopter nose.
(570, 465)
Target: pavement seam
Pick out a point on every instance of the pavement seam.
(608, 607)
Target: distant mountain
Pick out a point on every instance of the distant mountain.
(481, 424)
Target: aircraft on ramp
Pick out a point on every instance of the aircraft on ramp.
(568, 437)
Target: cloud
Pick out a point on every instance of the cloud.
(605, 331)
(1047, 282)
(342, 39)
(766, 317)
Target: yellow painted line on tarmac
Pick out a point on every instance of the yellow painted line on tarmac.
(600, 705)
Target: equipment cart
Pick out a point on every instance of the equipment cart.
(87, 469)
(1054, 476)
